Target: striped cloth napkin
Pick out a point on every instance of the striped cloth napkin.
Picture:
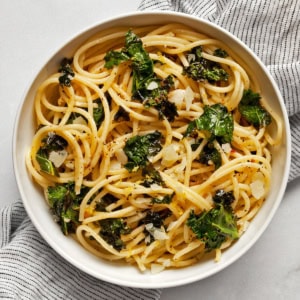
(30, 269)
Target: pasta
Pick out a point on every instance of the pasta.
(100, 107)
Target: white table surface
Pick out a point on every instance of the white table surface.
(29, 31)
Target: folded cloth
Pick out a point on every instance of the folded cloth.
(30, 269)
(272, 30)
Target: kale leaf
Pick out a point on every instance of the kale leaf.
(252, 111)
(158, 98)
(142, 64)
(105, 201)
(147, 87)
(138, 148)
(114, 58)
(224, 198)
(215, 122)
(220, 53)
(151, 176)
(209, 155)
(67, 72)
(121, 115)
(213, 227)
(98, 113)
(65, 204)
(200, 69)
(52, 142)
(156, 217)
(167, 199)
(111, 231)
(46, 165)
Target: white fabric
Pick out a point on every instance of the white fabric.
(30, 269)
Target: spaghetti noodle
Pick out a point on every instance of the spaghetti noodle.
(122, 139)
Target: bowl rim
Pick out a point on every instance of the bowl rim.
(150, 284)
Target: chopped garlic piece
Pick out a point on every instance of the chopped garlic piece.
(152, 85)
(226, 148)
(149, 226)
(258, 186)
(155, 187)
(121, 156)
(177, 97)
(189, 97)
(115, 165)
(79, 121)
(148, 239)
(159, 234)
(156, 268)
(58, 157)
(170, 155)
(191, 57)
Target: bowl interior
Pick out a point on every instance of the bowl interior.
(123, 274)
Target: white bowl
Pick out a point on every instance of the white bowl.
(127, 275)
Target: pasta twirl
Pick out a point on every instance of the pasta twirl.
(130, 145)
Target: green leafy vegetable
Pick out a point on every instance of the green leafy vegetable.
(114, 58)
(220, 53)
(67, 72)
(218, 224)
(215, 121)
(139, 147)
(158, 98)
(111, 231)
(122, 115)
(252, 111)
(156, 217)
(151, 176)
(142, 65)
(224, 198)
(167, 199)
(98, 113)
(201, 69)
(147, 87)
(210, 155)
(46, 165)
(52, 142)
(105, 201)
(65, 205)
